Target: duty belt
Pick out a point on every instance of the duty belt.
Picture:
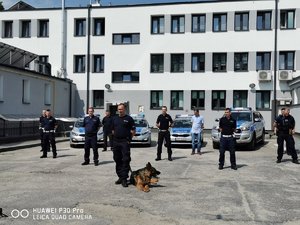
(163, 130)
(227, 136)
(48, 131)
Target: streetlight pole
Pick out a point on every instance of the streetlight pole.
(275, 62)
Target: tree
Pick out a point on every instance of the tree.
(1, 6)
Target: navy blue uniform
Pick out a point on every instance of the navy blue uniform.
(91, 125)
(42, 131)
(284, 126)
(49, 125)
(122, 127)
(107, 133)
(227, 140)
(164, 122)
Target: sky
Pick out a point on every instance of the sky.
(57, 3)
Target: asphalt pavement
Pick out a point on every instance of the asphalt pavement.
(191, 190)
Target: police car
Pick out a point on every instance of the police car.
(143, 130)
(181, 131)
(250, 128)
(78, 132)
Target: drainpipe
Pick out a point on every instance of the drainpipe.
(63, 41)
(275, 62)
(88, 59)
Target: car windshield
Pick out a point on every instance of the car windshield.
(140, 123)
(241, 116)
(182, 123)
(79, 123)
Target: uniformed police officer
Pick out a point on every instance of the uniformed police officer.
(164, 122)
(50, 125)
(123, 129)
(107, 133)
(285, 126)
(227, 126)
(91, 124)
(41, 127)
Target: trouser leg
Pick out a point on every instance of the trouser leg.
(232, 151)
(160, 143)
(95, 148)
(53, 143)
(87, 146)
(222, 151)
(168, 143)
(280, 141)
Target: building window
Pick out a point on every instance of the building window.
(125, 77)
(79, 62)
(240, 99)
(99, 27)
(241, 22)
(177, 63)
(156, 99)
(157, 25)
(262, 99)
(241, 62)
(25, 28)
(197, 99)
(219, 62)
(124, 39)
(80, 27)
(26, 92)
(264, 20)
(43, 65)
(157, 63)
(286, 60)
(43, 28)
(8, 29)
(177, 100)
(98, 63)
(219, 22)
(218, 100)
(198, 23)
(287, 19)
(198, 62)
(177, 24)
(263, 61)
(1, 88)
(98, 99)
(47, 94)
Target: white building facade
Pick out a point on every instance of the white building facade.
(208, 55)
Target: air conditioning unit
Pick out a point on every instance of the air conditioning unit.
(285, 75)
(264, 75)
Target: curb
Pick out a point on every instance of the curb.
(13, 148)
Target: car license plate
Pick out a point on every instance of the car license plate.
(180, 139)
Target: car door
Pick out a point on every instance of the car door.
(258, 124)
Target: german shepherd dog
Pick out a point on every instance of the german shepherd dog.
(144, 177)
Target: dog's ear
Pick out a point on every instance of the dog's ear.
(148, 165)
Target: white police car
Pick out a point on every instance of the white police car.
(143, 130)
(77, 134)
(181, 131)
(250, 128)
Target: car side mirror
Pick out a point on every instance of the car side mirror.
(217, 120)
(257, 120)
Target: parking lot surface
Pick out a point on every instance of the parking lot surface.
(191, 190)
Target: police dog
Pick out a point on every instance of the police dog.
(144, 177)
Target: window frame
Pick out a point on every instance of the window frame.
(102, 63)
(219, 104)
(241, 93)
(241, 14)
(198, 17)
(198, 105)
(76, 68)
(242, 69)
(200, 64)
(40, 22)
(219, 17)
(77, 28)
(174, 60)
(158, 93)
(126, 35)
(158, 20)
(159, 65)
(263, 28)
(263, 61)
(176, 18)
(26, 91)
(101, 94)
(263, 100)
(286, 17)
(124, 75)
(8, 31)
(219, 54)
(177, 97)
(286, 62)
(101, 21)
(25, 23)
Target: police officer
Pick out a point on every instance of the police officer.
(41, 127)
(50, 125)
(164, 122)
(285, 126)
(107, 133)
(227, 126)
(123, 129)
(91, 124)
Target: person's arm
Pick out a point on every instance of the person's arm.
(220, 125)
(157, 122)
(171, 122)
(132, 130)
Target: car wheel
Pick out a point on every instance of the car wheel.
(263, 138)
(216, 145)
(253, 142)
